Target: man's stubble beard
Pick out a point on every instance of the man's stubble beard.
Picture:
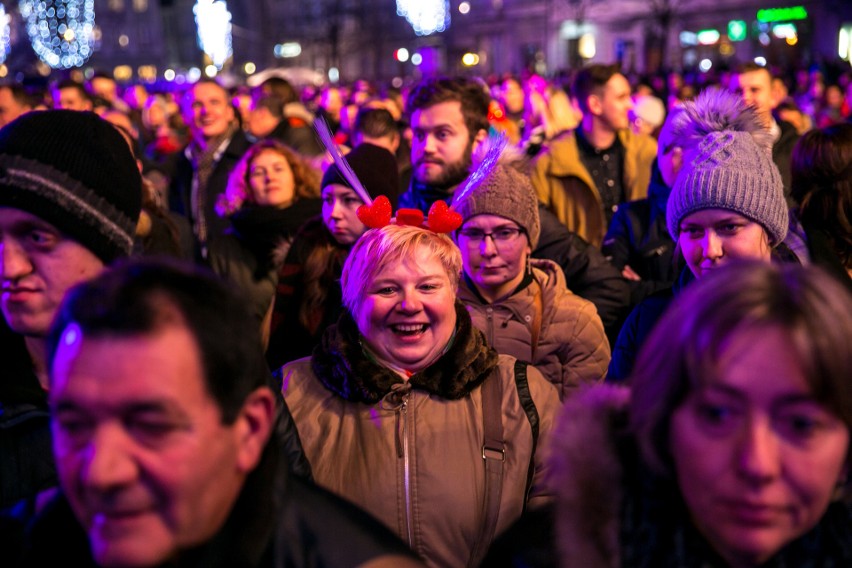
(452, 174)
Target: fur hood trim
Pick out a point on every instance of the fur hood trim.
(343, 367)
(587, 476)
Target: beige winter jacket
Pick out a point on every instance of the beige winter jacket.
(572, 347)
(414, 459)
(566, 188)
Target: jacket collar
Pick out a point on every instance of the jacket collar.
(565, 155)
(344, 368)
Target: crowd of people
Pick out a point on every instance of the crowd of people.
(596, 320)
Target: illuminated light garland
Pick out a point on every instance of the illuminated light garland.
(425, 16)
(5, 34)
(61, 31)
(214, 30)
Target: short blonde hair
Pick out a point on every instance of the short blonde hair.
(378, 248)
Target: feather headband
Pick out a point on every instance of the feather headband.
(376, 213)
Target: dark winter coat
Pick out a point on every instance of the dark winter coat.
(290, 339)
(782, 154)
(180, 191)
(279, 521)
(641, 321)
(245, 254)
(638, 326)
(638, 237)
(26, 453)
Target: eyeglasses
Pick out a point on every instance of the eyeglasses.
(503, 235)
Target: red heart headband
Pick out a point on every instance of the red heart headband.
(441, 217)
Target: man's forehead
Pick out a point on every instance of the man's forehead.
(447, 112)
(19, 217)
(208, 91)
(756, 77)
(149, 364)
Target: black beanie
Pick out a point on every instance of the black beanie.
(75, 171)
(375, 167)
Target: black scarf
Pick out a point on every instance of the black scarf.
(262, 228)
(341, 364)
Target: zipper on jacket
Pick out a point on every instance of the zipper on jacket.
(489, 317)
(403, 452)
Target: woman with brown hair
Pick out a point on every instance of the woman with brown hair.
(731, 448)
(269, 195)
(822, 186)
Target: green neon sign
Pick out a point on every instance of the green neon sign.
(782, 14)
(737, 30)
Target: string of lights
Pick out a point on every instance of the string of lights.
(5, 34)
(61, 31)
(214, 30)
(425, 16)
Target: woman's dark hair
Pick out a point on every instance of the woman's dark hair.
(143, 297)
(821, 168)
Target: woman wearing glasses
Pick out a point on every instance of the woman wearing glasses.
(521, 304)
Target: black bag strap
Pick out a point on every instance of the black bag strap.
(494, 456)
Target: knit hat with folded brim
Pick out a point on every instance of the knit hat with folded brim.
(504, 192)
(729, 170)
(75, 171)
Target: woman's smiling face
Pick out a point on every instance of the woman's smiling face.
(407, 313)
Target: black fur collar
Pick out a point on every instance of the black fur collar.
(340, 363)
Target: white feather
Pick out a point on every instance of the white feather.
(342, 165)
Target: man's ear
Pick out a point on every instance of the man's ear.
(253, 427)
(477, 140)
(594, 104)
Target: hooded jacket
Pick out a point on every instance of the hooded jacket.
(612, 510)
(565, 186)
(411, 453)
(572, 348)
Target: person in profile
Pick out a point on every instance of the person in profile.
(168, 442)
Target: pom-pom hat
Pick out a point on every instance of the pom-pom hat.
(727, 164)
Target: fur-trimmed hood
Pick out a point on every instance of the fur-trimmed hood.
(587, 476)
(613, 511)
(344, 368)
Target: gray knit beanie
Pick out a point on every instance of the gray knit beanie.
(729, 170)
(507, 193)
